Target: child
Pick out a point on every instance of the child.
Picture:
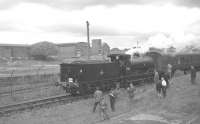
(131, 93)
(164, 87)
(103, 109)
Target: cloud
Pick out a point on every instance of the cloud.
(95, 31)
(5, 26)
(194, 28)
(74, 29)
(120, 25)
(188, 3)
(72, 4)
(81, 4)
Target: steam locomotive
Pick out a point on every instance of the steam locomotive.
(82, 77)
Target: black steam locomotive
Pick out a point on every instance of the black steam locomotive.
(81, 77)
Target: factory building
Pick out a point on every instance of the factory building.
(65, 50)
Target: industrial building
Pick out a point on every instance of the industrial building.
(65, 50)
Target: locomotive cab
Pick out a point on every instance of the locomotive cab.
(120, 58)
(123, 60)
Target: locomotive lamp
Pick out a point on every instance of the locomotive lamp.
(101, 72)
(81, 70)
(117, 57)
(128, 68)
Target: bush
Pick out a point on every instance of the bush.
(43, 50)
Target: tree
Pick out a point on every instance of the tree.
(43, 50)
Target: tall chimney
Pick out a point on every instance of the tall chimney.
(88, 39)
(88, 34)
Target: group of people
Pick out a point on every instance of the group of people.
(164, 83)
(100, 100)
(161, 85)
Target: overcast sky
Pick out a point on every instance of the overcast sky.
(120, 23)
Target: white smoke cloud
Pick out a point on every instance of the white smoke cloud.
(178, 40)
(159, 40)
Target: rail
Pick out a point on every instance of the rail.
(24, 90)
(39, 103)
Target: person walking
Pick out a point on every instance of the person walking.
(112, 96)
(157, 83)
(169, 72)
(164, 87)
(98, 94)
(131, 93)
(193, 75)
(103, 109)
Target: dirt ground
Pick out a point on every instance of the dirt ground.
(181, 106)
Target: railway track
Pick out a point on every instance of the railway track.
(24, 90)
(4, 110)
(41, 103)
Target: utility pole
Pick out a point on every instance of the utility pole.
(88, 38)
(137, 46)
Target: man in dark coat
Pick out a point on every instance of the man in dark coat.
(169, 71)
(112, 95)
(157, 83)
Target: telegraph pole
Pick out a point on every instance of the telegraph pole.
(88, 38)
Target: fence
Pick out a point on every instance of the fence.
(15, 79)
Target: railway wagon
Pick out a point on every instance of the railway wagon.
(183, 61)
(179, 61)
(84, 76)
